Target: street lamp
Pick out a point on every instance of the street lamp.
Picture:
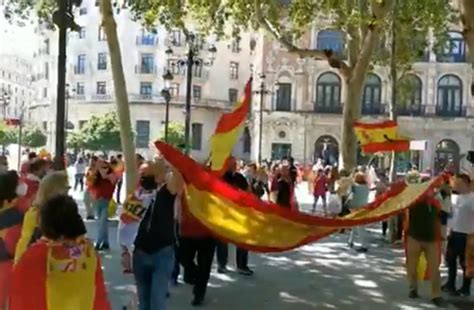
(192, 59)
(262, 91)
(165, 92)
(5, 97)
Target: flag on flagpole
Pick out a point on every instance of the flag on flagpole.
(229, 129)
(380, 137)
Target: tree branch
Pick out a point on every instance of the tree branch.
(467, 19)
(353, 38)
(328, 55)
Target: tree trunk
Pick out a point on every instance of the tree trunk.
(468, 23)
(351, 112)
(121, 96)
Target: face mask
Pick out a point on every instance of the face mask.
(148, 183)
(21, 189)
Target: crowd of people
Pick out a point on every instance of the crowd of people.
(157, 235)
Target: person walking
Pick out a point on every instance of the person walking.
(319, 190)
(359, 198)
(462, 226)
(281, 190)
(91, 173)
(80, 171)
(103, 190)
(61, 270)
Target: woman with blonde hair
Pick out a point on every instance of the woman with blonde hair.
(52, 184)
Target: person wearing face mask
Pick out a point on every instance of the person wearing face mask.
(133, 211)
(153, 254)
(52, 184)
(11, 217)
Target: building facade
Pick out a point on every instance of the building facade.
(302, 112)
(215, 86)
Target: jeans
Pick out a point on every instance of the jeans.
(152, 274)
(119, 189)
(102, 208)
(457, 251)
(199, 274)
(79, 181)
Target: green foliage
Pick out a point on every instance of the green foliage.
(100, 133)
(33, 137)
(175, 134)
(75, 140)
(8, 135)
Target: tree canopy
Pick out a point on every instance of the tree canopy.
(33, 137)
(175, 134)
(8, 135)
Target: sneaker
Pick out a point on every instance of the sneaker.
(448, 288)
(413, 294)
(98, 247)
(439, 302)
(197, 301)
(464, 293)
(222, 270)
(245, 271)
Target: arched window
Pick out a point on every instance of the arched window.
(331, 40)
(328, 93)
(447, 156)
(372, 97)
(409, 95)
(449, 96)
(454, 50)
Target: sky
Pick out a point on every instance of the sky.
(17, 40)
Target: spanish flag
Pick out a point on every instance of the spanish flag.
(380, 137)
(240, 218)
(228, 130)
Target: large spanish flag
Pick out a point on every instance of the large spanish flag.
(241, 218)
(229, 129)
(380, 137)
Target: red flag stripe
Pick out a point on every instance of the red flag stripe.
(379, 125)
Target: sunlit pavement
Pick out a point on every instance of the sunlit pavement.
(324, 275)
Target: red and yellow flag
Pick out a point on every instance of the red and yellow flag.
(380, 137)
(241, 218)
(228, 130)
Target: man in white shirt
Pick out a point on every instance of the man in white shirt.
(462, 226)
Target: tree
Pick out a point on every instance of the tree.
(467, 18)
(33, 137)
(8, 135)
(75, 140)
(363, 22)
(175, 134)
(100, 133)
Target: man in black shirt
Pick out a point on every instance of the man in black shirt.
(236, 179)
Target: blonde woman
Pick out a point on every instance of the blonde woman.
(52, 184)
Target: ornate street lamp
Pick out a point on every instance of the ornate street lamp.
(167, 77)
(262, 91)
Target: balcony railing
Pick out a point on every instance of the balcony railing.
(153, 98)
(377, 109)
(147, 40)
(79, 70)
(146, 70)
(413, 110)
(101, 97)
(443, 112)
(79, 97)
(332, 109)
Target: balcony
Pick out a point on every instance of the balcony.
(141, 98)
(443, 112)
(146, 70)
(413, 110)
(77, 97)
(332, 109)
(377, 109)
(146, 41)
(79, 70)
(101, 97)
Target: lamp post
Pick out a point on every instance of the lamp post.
(5, 97)
(262, 91)
(167, 77)
(192, 59)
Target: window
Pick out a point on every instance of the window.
(102, 61)
(197, 68)
(409, 94)
(46, 70)
(328, 93)
(176, 38)
(81, 64)
(146, 38)
(331, 40)
(147, 64)
(82, 11)
(449, 96)
(82, 33)
(101, 88)
(455, 49)
(283, 100)
(199, 42)
(80, 89)
(102, 36)
(46, 46)
(143, 134)
(146, 88)
(372, 97)
(233, 93)
(234, 71)
(235, 47)
(174, 67)
(174, 90)
(197, 92)
(196, 136)
(45, 126)
(45, 92)
(280, 150)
